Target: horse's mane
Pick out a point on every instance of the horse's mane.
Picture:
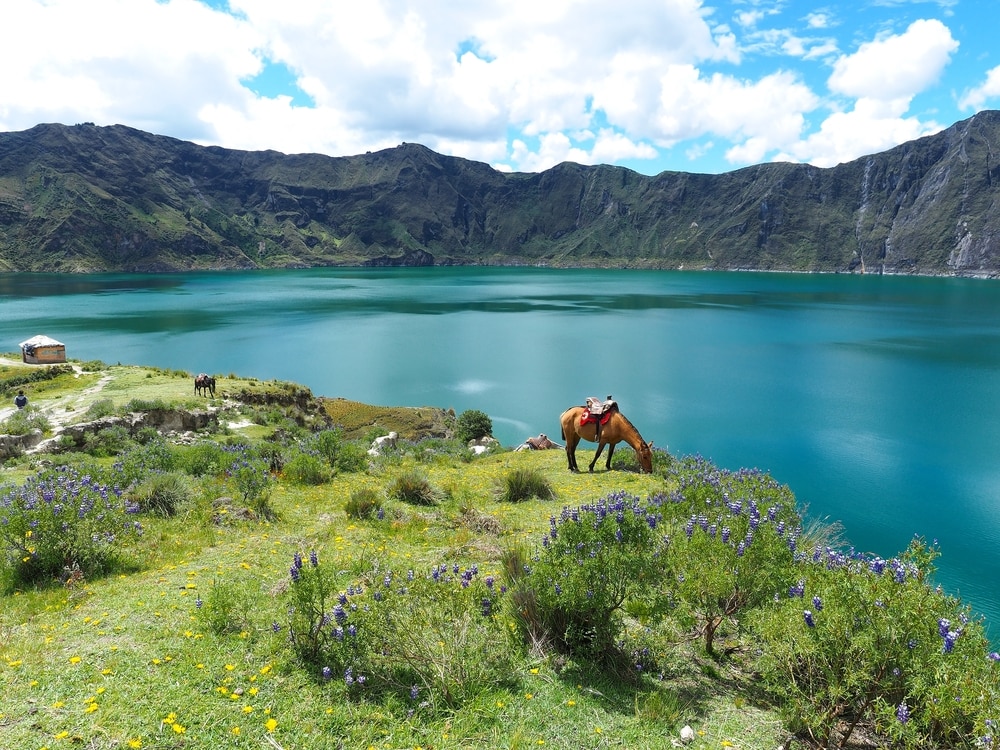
(626, 420)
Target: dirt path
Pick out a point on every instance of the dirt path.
(60, 411)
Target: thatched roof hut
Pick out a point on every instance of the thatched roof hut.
(42, 350)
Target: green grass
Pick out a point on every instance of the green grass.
(132, 660)
(134, 647)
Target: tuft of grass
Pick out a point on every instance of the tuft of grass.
(412, 487)
(522, 484)
(364, 503)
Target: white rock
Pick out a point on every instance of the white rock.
(687, 734)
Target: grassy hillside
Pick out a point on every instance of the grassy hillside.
(185, 638)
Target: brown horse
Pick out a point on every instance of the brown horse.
(617, 429)
(204, 385)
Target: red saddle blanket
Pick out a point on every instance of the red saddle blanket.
(587, 417)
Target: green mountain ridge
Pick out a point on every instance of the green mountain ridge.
(87, 199)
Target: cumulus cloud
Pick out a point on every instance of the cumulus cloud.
(519, 84)
(977, 97)
(895, 67)
(881, 77)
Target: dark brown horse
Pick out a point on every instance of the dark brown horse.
(617, 429)
(204, 385)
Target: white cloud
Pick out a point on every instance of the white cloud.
(895, 67)
(882, 77)
(520, 84)
(135, 61)
(976, 98)
(869, 127)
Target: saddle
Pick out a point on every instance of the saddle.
(599, 412)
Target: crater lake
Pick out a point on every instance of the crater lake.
(876, 399)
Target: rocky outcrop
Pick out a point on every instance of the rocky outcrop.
(162, 420)
(16, 445)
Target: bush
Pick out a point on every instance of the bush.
(25, 421)
(306, 469)
(161, 493)
(352, 457)
(252, 480)
(473, 425)
(432, 638)
(363, 503)
(62, 520)
(736, 549)
(868, 641)
(414, 488)
(101, 408)
(524, 484)
(206, 458)
(595, 561)
(229, 605)
(108, 442)
(144, 404)
(140, 461)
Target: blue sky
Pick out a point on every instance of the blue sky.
(653, 85)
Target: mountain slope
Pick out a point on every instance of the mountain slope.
(84, 198)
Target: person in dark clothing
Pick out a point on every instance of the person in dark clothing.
(20, 400)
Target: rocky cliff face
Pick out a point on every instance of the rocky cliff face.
(86, 198)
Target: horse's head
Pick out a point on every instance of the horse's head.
(645, 454)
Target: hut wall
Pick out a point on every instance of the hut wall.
(46, 355)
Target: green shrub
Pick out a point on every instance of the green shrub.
(523, 484)
(59, 521)
(206, 458)
(251, 479)
(229, 606)
(872, 641)
(101, 408)
(363, 503)
(433, 638)
(327, 443)
(412, 487)
(161, 493)
(306, 469)
(732, 553)
(135, 464)
(107, 442)
(146, 404)
(352, 457)
(594, 561)
(473, 425)
(25, 421)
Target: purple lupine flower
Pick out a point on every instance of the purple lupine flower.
(949, 640)
(817, 604)
(808, 617)
(903, 712)
(294, 573)
(944, 626)
(276, 627)
(327, 673)
(414, 693)
(313, 558)
(994, 656)
(297, 561)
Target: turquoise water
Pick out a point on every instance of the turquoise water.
(877, 399)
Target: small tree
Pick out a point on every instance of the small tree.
(473, 424)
